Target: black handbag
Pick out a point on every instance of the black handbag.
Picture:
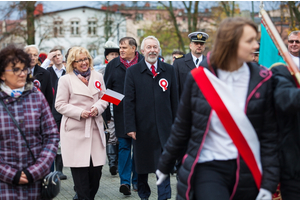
(51, 182)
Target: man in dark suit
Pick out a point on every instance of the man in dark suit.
(42, 77)
(150, 105)
(56, 71)
(191, 60)
(114, 78)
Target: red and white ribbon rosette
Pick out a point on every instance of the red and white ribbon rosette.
(163, 83)
(97, 85)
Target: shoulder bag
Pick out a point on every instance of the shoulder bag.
(51, 182)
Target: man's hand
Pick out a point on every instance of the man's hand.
(132, 134)
(51, 55)
(85, 114)
(23, 179)
(94, 112)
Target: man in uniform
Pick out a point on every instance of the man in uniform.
(191, 60)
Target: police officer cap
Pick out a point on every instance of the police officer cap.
(198, 37)
(109, 47)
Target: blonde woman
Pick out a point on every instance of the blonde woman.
(83, 142)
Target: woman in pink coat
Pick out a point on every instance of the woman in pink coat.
(81, 133)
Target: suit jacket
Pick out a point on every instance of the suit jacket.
(149, 111)
(43, 76)
(81, 138)
(114, 78)
(54, 81)
(182, 67)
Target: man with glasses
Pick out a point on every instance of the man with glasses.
(294, 46)
(42, 77)
(191, 60)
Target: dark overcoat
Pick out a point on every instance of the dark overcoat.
(114, 79)
(54, 81)
(46, 87)
(182, 67)
(149, 111)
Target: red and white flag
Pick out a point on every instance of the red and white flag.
(112, 97)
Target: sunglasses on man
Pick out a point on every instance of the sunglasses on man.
(292, 41)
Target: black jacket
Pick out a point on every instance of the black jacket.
(149, 111)
(54, 81)
(191, 124)
(287, 104)
(43, 76)
(182, 67)
(114, 79)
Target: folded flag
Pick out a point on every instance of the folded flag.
(112, 97)
(268, 53)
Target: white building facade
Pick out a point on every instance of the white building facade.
(82, 26)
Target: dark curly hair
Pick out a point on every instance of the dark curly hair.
(14, 55)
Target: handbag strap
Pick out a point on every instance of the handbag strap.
(16, 123)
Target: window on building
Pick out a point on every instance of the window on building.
(139, 16)
(92, 27)
(58, 28)
(75, 27)
(140, 32)
(158, 16)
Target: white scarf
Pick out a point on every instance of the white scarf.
(13, 93)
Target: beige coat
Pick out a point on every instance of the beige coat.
(81, 138)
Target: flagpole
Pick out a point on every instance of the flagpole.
(272, 31)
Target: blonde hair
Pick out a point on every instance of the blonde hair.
(75, 51)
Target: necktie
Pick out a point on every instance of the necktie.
(197, 60)
(153, 70)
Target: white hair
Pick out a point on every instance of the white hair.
(31, 46)
(149, 37)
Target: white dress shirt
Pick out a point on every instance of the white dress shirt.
(296, 60)
(58, 72)
(218, 145)
(195, 58)
(149, 65)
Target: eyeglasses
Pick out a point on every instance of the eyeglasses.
(292, 41)
(80, 61)
(17, 71)
(197, 43)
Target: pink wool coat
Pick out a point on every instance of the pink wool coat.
(81, 138)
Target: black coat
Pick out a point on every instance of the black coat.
(114, 79)
(149, 111)
(182, 67)
(287, 104)
(54, 81)
(43, 76)
(190, 127)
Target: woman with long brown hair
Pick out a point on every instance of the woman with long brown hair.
(226, 121)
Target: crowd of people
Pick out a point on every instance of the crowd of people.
(226, 125)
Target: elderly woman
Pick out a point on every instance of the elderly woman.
(226, 122)
(20, 176)
(82, 134)
(42, 79)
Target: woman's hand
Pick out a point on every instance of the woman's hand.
(23, 179)
(94, 112)
(85, 114)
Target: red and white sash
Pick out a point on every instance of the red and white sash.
(233, 118)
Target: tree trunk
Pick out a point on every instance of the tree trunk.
(30, 6)
(173, 18)
(195, 17)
